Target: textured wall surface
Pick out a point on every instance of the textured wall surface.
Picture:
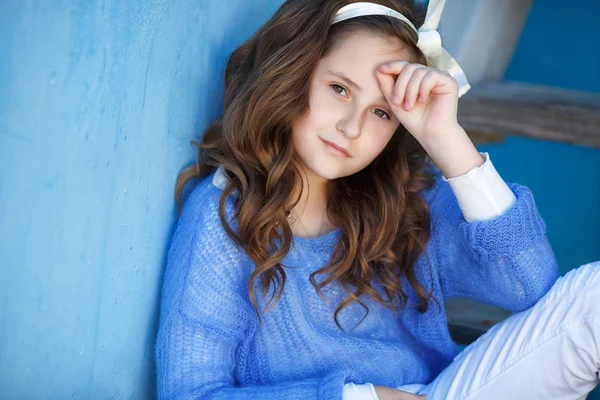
(99, 102)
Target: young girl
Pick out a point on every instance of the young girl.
(339, 205)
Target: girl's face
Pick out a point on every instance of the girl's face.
(349, 122)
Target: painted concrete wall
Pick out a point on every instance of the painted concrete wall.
(565, 179)
(99, 102)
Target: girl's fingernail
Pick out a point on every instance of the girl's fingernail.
(396, 100)
(407, 106)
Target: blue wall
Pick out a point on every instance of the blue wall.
(560, 46)
(99, 102)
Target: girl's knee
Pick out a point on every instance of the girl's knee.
(587, 286)
(585, 277)
(595, 264)
(581, 284)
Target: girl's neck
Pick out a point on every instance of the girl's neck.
(309, 217)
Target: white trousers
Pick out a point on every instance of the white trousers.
(550, 351)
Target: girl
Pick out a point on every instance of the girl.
(339, 205)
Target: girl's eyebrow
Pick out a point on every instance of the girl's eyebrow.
(344, 77)
(352, 83)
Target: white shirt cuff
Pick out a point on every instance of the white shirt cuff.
(482, 194)
(359, 392)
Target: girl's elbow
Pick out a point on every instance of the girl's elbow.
(536, 287)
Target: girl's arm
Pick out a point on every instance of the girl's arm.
(206, 315)
(504, 261)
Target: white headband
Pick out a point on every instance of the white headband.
(429, 42)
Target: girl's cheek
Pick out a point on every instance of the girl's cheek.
(378, 142)
(328, 99)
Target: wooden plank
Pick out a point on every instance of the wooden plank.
(485, 138)
(540, 112)
(467, 320)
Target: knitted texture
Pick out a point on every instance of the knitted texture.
(211, 345)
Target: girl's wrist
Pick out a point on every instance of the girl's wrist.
(453, 152)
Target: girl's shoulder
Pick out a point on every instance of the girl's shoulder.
(202, 256)
(201, 204)
(200, 218)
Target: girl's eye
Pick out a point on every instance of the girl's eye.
(341, 90)
(338, 89)
(380, 113)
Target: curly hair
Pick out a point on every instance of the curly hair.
(267, 85)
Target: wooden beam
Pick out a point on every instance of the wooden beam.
(485, 138)
(540, 112)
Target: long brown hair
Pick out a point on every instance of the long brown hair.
(267, 83)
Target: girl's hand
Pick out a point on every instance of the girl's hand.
(386, 393)
(424, 99)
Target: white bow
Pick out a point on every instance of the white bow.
(429, 42)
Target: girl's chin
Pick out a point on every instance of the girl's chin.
(328, 169)
(330, 173)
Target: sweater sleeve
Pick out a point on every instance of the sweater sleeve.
(506, 261)
(206, 316)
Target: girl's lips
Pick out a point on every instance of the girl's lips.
(335, 149)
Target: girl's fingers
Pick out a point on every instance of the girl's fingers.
(405, 84)
(428, 82)
(413, 88)
(394, 67)
(387, 73)
(402, 82)
(386, 84)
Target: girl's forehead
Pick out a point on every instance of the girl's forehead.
(365, 46)
(360, 54)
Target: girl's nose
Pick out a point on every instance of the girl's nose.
(350, 124)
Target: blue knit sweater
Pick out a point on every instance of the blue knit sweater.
(210, 344)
